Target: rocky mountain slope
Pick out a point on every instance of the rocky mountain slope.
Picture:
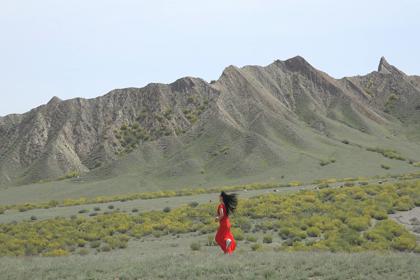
(252, 122)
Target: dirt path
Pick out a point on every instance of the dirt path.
(410, 219)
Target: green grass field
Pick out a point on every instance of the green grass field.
(211, 264)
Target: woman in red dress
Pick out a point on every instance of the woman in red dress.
(226, 207)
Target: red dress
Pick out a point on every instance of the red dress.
(223, 233)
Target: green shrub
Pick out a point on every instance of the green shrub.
(244, 224)
(81, 242)
(256, 247)
(313, 232)
(326, 162)
(384, 166)
(71, 174)
(404, 203)
(251, 238)
(404, 243)
(193, 204)
(95, 244)
(238, 234)
(56, 253)
(23, 208)
(211, 241)
(267, 239)
(83, 252)
(323, 186)
(392, 154)
(105, 248)
(380, 215)
(359, 223)
(195, 246)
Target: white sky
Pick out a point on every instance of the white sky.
(86, 48)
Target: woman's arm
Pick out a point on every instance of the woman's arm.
(219, 214)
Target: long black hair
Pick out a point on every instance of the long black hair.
(230, 201)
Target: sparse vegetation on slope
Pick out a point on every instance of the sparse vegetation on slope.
(388, 153)
(149, 126)
(326, 162)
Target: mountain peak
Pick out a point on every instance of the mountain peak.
(54, 100)
(229, 71)
(297, 59)
(385, 68)
(298, 64)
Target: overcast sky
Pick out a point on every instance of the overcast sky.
(85, 48)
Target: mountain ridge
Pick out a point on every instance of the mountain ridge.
(266, 115)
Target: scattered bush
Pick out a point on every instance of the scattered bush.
(334, 219)
(313, 232)
(211, 241)
(193, 204)
(323, 186)
(195, 246)
(83, 252)
(105, 248)
(256, 247)
(72, 174)
(167, 209)
(359, 223)
(404, 243)
(251, 238)
(404, 203)
(95, 244)
(384, 166)
(56, 253)
(392, 154)
(326, 162)
(267, 239)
